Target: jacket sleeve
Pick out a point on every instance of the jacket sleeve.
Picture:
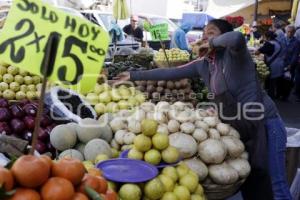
(296, 52)
(189, 70)
(233, 40)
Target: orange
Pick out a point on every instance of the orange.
(30, 171)
(57, 188)
(91, 181)
(110, 195)
(25, 194)
(79, 196)
(102, 185)
(6, 179)
(69, 168)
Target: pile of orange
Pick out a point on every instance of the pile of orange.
(40, 178)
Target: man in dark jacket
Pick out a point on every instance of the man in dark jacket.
(291, 60)
(133, 29)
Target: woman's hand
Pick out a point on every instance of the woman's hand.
(204, 49)
(122, 77)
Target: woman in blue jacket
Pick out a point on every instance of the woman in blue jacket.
(230, 74)
(179, 39)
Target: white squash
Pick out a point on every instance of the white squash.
(119, 136)
(134, 126)
(200, 134)
(186, 144)
(106, 118)
(223, 174)
(88, 129)
(117, 124)
(233, 145)
(96, 147)
(212, 151)
(223, 129)
(234, 133)
(147, 106)
(139, 115)
(160, 117)
(163, 128)
(197, 166)
(201, 124)
(214, 134)
(211, 121)
(241, 166)
(128, 138)
(173, 126)
(186, 116)
(187, 127)
(163, 106)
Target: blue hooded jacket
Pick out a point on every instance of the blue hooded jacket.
(179, 39)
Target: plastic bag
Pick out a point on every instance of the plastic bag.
(295, 188)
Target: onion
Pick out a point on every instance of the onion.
(5, 114)
(43, 135)
(29, 122)
(5, 129)
(30, 109)
(17, 111)
(41, 147)
(17, 125)
(3, 103)
(45, 121)
(27, 135)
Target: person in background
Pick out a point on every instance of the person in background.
(179, 39)
(229, 72)
(297, 71)
(255, 33)
(277, 29)
(133, 29)
(297, 33)
(290, 61)
(116, 33)
(273, 54)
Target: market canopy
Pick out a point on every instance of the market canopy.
(197, 19)
(120, 9)
(221, 8)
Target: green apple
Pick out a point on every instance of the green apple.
(98, 89)
(182, 169)
(154, 189)
(124, 92)
(19, 79)
(23, 72)
(105, 97)
(160, 141)
(1, 78)
(169, 196)
(142, 143)
(112, 107)
(171, 172)
(36, 79)
(115, 95)
(28, 80)
(170, 154)
(167, 182)
(140, 98)
(14, 86)
(130, 192)
(3, 70)
(100, 108)
(182, 193)
(197, 197)
(8, 78)
(20, 95)
(31, 95)
(189, 181)
(132, 101)
(153, 157)
(31, 87)
(9, 94)
(123, 105)
(149, 127)
(135, 154)
(101, 157)
(23, 88)
(199, 190)
(92, 98)
(3, 86)
(13, 70)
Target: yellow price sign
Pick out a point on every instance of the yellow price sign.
(81, 45)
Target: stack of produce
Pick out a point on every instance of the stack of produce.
(175, 56)
(34, 178)
(170, 91)
(173, 183)
(17, 84)
(18, 119)
(152, 146)
(200, 89)
(114, 69)
(143, 57)
(262, 69)
(84, 141)
(106, 99)
(220, 154)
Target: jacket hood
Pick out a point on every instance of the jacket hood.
(186, 27)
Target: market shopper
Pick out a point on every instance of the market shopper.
(229, 72)
(179, 39)
(133, 29)
(292, 52)
(273, 54)
(280, 35)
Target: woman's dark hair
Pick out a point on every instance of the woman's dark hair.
(222, 24)
(270, 35)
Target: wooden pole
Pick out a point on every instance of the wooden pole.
(255, 11)
(48, 64)
(164, 49)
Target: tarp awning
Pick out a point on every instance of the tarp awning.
(221, 8)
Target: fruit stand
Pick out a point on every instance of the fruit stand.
(133, 141)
